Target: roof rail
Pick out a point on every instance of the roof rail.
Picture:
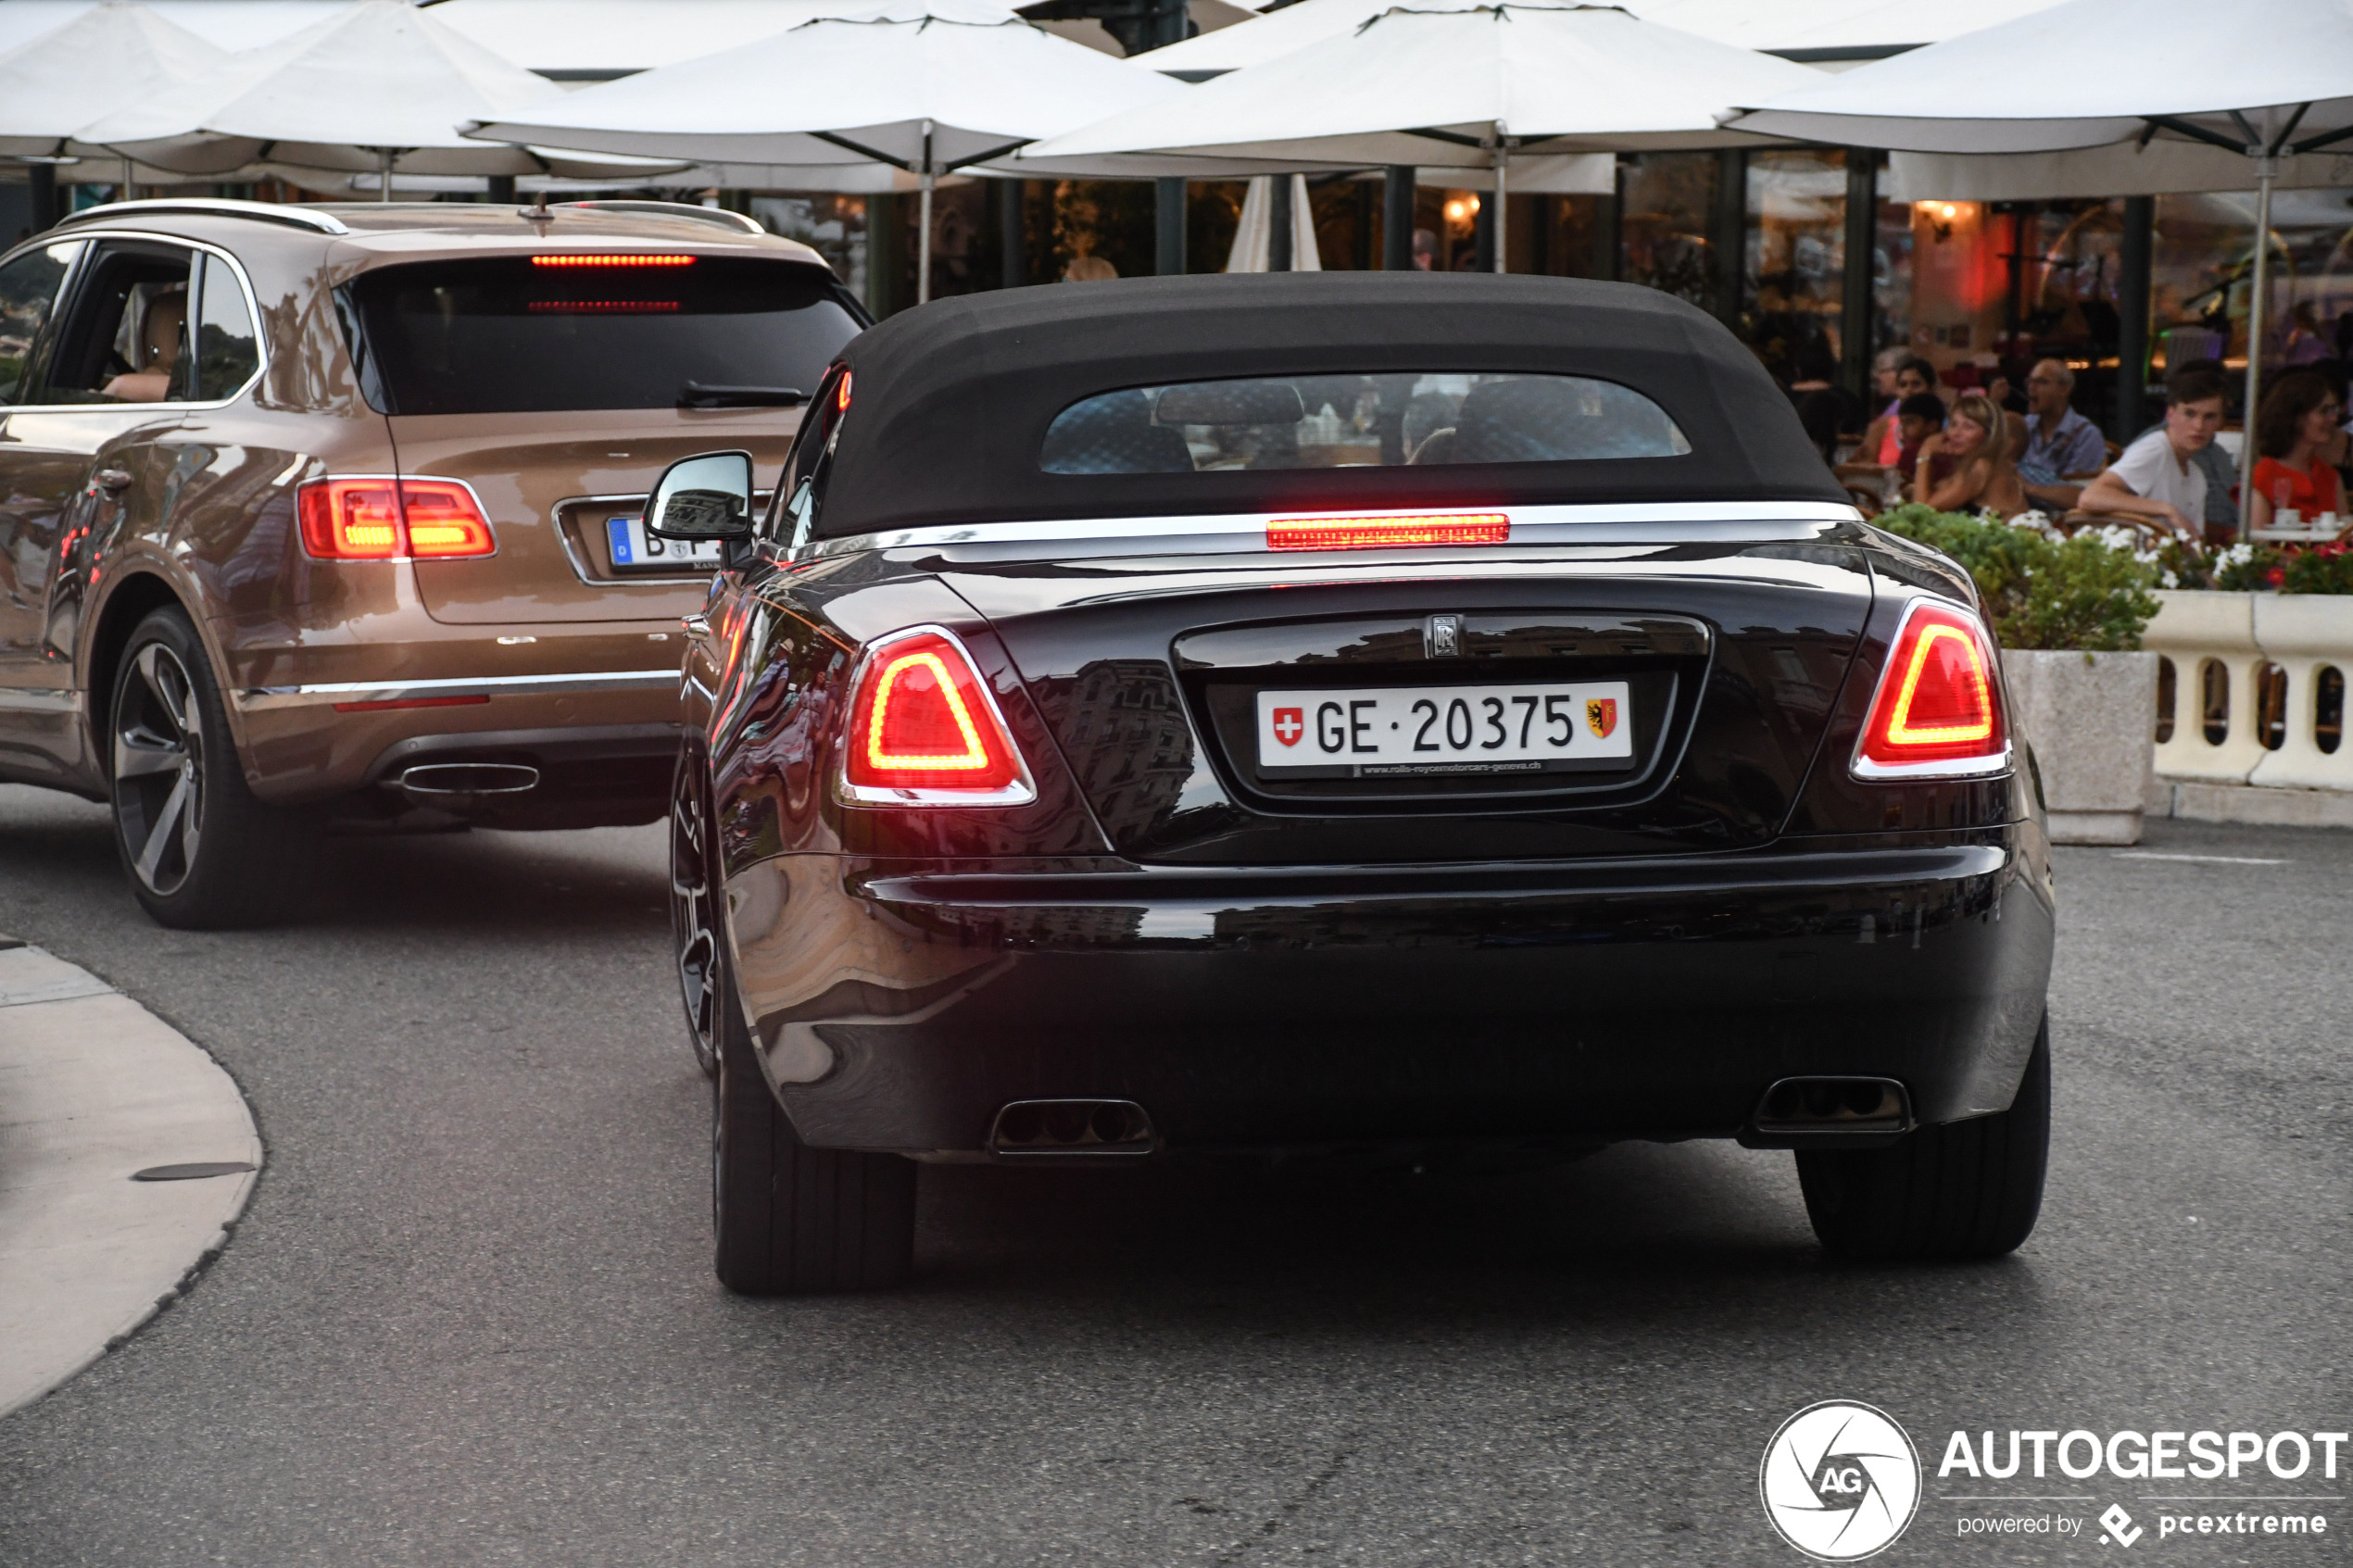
(216, 207)
(718, 215)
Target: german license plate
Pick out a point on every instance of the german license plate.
(1407, 730)
(634, 549)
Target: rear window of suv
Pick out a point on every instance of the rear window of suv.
(542, 335)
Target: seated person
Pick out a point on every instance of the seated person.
(1883, 438)
(160, 333)
(2157, 478)
(1917, 417)
(2294, 433)
(2062, 446)
(1976, 438)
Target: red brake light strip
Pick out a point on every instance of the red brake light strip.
(1384, 532)
(624, 258)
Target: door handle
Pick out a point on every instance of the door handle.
(112, 480)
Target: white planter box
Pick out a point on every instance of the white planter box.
(2089, 719)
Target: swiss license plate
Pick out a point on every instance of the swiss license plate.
(635, 550)
(1522, 728)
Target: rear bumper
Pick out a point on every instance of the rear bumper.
(899, 1007)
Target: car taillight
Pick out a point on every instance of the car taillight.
(1382, 532)
(1938, 709)
(925, 729)
(387, 519)
(444, 519)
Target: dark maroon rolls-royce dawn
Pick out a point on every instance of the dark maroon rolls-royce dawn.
(1322, 711)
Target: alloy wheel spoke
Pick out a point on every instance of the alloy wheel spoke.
(150, 665)
(166, 825)
(138, 752)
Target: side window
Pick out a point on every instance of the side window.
(807, 467)
(28, 293)
(126, 333)
(228, 351)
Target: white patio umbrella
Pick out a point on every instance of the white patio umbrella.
(928, 86)
(379, 85)
(1465, 84)
(106, 56)
(2271, 80)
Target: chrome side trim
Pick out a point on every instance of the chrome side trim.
(1649, 522)
(39, 699)
(263, 698)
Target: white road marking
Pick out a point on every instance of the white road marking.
(2198, 859)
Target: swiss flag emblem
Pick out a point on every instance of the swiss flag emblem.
(1289, 724)
(1601, 716)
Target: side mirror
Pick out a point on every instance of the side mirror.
(703, 498)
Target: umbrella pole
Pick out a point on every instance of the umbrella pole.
(2265, 169)
(922, 224)
(383, 174)
(1503, 192)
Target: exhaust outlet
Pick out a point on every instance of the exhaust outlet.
(455, 783)
(1807, 1106)
(1059, 1128)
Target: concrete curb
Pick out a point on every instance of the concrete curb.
(94, 1088)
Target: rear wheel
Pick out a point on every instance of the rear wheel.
(1966, 1189)
(202, 853)
(791, 1219)
(694, 909)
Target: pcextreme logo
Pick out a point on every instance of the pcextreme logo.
(1840, 1481)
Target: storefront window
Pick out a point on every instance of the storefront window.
(1793, 261)
(1892, 277)
(2203, 261)
(833, 226)
(1664, 232)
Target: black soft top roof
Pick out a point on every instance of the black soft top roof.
(951, 401)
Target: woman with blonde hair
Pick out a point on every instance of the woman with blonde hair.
(1966, 464)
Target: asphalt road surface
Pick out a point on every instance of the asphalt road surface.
(469, 1318)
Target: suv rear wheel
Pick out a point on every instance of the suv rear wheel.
(1966, 1189)
(201, 852)
(791, 1219)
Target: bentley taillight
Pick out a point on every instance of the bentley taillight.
(925, 729)
(391, 520)
(1938, 710)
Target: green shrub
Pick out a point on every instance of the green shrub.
(2090, 593)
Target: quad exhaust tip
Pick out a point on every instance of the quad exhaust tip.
(1058, 1128)
(1834, 1105)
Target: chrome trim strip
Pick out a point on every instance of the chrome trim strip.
(39, 699)
(1649, 522)
(263, 699)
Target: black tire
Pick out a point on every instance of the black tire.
(201, 852)
(1966, 1189)
(694, 909)
(791, 1219)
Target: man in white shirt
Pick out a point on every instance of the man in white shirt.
(2155, 478)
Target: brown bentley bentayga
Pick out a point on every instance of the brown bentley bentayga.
(328, 518)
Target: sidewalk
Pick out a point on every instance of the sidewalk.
(99, 1098)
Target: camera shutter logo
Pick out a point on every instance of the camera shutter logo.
(1840, 1481)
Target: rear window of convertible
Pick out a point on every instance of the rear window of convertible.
(504, 335)
(1390, 420)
